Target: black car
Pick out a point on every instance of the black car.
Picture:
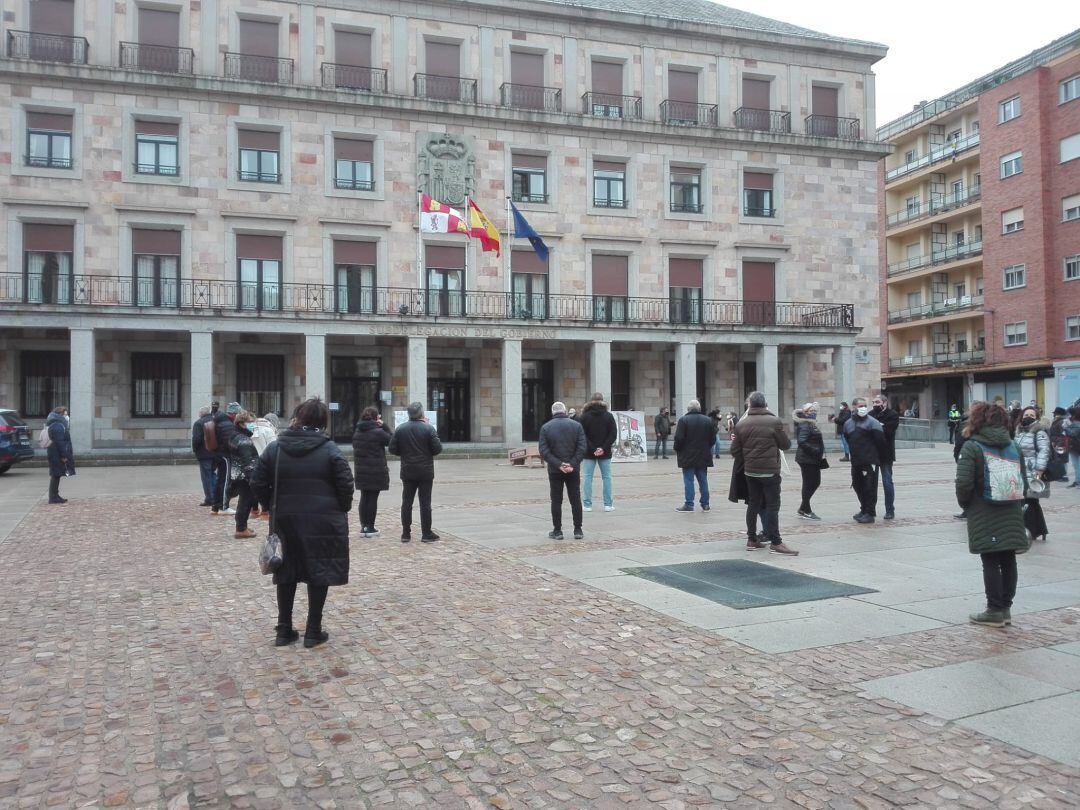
(15, 440)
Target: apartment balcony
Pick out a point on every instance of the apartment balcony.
(215, 297)
(531, 97)
(830, 126)
(444, 88)
(606, 105)
(688, 114)
(354, 77)
(949, 306)
(938, 204)
(156, 58)
(41, 47)
(938, 154)
(941, 359)
(252, 68)
(762, 120)
(945, 255)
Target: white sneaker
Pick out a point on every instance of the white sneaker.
(229, 511)
(587, 508)
(609, 508)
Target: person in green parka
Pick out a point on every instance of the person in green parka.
(995, 528)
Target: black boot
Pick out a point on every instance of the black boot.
(314, 636)
(285, 635)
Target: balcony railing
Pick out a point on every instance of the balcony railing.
(750, 211)
(399, 302)
(444, 88)
(762, 120)
(606, 105)
(354, 185)
(531, 97)
(45, 162)
(353, 77)
(830, 126)
(946, 151)
(938, 359)
(536, 199)
(687, 113)
(686, 207)
(608, 202)
(258, 177)
(159, 169)
(938, 204)
(252, 68)
(47, 47)
(943, 255)
(946, 307)
(156, 58)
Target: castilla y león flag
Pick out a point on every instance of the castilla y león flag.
(480, 227)
(436, 217)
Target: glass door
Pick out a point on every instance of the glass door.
(537, 394)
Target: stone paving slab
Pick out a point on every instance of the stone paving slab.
(1047, 726)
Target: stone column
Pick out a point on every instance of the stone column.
(83, 373)
(685, 377)
(511, 392)
(571, 95)
(315, 365)
(201, 371)
(768, 373)
(844, 374)
(650, 101)
(600, 369)
(801, 372)
(416, 361)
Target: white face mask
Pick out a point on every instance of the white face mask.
(863, 410)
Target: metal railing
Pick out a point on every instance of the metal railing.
(941, 256)
(258, 177)
(608, 202)
(946, 151)
(937, 359)
(252, 68)
(938, 204)
(531, 97)
(831, 126)
(214, 294)
(946, 307)
(539, 199)
(687, 113)
(762, 120)
(350, 184)
(353, 77)
(39, 162)
(41, 47)
(686, 207)
(156, 58)
(159, 169)
(749, 211)
(607, 105)
(444, 88)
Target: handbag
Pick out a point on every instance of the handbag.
(270, 558)
(823, 464)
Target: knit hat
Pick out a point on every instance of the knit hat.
(233, 408)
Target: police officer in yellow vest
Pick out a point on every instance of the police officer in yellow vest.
(954, 419)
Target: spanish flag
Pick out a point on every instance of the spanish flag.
(435, 217)
(480, 227)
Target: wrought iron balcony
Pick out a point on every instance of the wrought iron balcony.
(536, 199)
(156, 58)
(252, 68)
(943, 255)
(946, 307)
(937, 359)
(606, 105)
(258, 177)
(938, 204)
(531, 97)
(160, 169)
(41, 47)
(397, 303)
(947, 151)
(354, 185)
(830, 126)
(686, 207)
(762, 120)
(609, 202)
(687, 113)
(352, 77)
(444, 88)
(754, 211)
(48, 162)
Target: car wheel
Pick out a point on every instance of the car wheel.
(4, 468)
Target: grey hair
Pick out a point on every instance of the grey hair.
(693, 406)
(558, 407)
(415, 410)
(757, 400)
(855, 402)
(204, 410)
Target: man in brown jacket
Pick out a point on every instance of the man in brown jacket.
(758, 442)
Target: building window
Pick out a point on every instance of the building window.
(758, 195)
(1016, 333)
(685, 282)
(1072, 267)
(48, 140)
(1072, 327)
(959, 290)
(609, 185)
(529, 178)
(259, 156)
(610, 285)
(1070, 148)
(1015, 277)
(46, 382)
(958, 239)
(1070, 89)
(259, 271)
(1070, 208)
(260, 383)
(529, 285)
(48, 252)
(1012, 220)
(1009, 109)
(156, 266)
(961, 345)
(911, 206)
(155, 385)
(909, 156)
(914, 299)
(1011, 164)
(157, 148)
(685, 191)
(354, 276)
(445, 280)
(354, 163)
(914, 348)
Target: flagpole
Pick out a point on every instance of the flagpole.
(419, 240)
(468, 237)
(507, 264)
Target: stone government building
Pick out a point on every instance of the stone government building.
(219, 200)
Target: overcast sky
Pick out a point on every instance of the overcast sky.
(934, 47)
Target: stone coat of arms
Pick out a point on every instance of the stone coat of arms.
(445, 167)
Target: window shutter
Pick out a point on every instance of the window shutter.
(256, 246)
(49, 238)
(52, 122)
(259, 139)
(146, 241)
(609, 274)
(685, 273)
(157, 128)
(445, 257)
(348, 252)
(526, 261)
(346, 149)
(761, 181)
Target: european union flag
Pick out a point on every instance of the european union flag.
(523, 229)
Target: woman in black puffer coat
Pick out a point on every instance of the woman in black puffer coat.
(809, 455)
(371, 471)
(314, 489)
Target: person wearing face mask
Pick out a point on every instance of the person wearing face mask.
(1033, 439)
(890, 423)
(61, 456)
(866, 438)
(809, 455)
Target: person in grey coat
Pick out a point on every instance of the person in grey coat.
(562, 447)
(417, 443)
(1033, 439)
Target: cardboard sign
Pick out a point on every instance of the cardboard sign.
(401, 417)
(632, 443)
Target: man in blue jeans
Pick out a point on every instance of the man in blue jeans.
(601, 433)
(207, 459)
(693, 450)
(890, 422)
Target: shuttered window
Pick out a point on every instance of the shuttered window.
(155, 384)
(46, 382)
(260, 383)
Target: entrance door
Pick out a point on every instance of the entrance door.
(537, 394)
(354, 385)
(448, 396)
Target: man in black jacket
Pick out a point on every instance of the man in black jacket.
(694, 437)
(601, 433)
(562, 447)
(223, 430)
(417, 443)
(890, 423)
(866, 440)
(207, 462)
(662, 427)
